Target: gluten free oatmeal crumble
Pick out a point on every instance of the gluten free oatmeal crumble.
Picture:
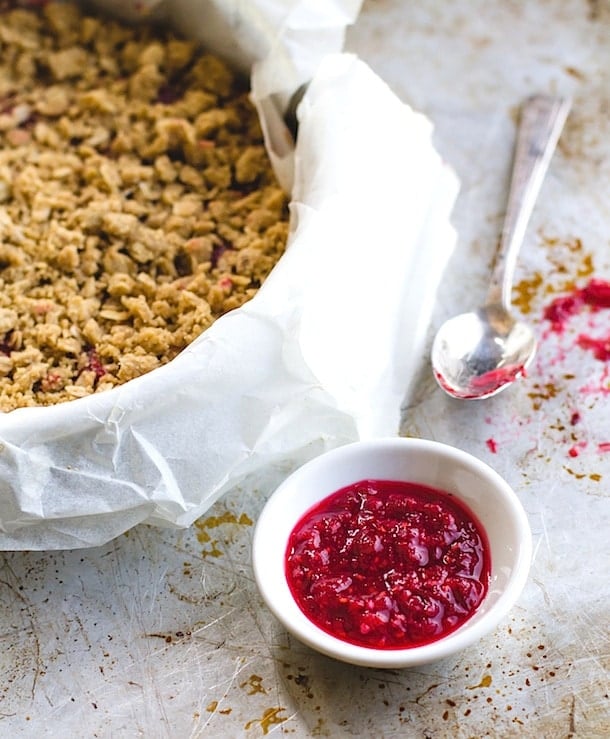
(137, 202)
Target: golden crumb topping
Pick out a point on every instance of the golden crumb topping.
(137, 201)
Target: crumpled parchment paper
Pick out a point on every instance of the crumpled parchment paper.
(321, 356)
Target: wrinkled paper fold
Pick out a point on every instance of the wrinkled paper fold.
(322, 355)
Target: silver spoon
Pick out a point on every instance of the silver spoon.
(476, 355)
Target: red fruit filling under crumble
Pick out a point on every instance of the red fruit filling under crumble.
(388, 564)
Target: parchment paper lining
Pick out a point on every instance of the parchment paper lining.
(321, 356)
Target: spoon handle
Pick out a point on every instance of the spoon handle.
(542, 119)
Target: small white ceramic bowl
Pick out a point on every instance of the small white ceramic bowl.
(440, 466)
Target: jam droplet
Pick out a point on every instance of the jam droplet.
(388, 565)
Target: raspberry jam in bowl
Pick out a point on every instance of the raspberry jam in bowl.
(392, 552)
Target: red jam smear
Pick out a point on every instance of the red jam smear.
(495, 379)
(388, 565)
(595, 294)
(487, 384)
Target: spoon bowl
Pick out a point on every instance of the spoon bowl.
(476, 355)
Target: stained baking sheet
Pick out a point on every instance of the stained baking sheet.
(162, 633)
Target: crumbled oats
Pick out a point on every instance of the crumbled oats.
(137, 202)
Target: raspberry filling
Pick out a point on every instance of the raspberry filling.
(388, 565)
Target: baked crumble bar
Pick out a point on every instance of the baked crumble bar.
(137, 201)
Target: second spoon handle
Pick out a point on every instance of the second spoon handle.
(542, 119)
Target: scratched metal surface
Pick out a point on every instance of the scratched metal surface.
(162, 633)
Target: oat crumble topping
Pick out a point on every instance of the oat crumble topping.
(137, 201)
